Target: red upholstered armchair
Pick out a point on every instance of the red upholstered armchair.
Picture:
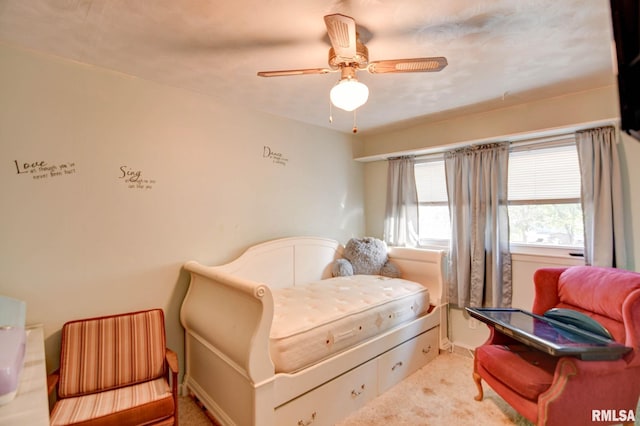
(564, 390)
(116, 370)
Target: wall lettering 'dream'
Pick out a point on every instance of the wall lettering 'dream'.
(133, 178)
(42, 170)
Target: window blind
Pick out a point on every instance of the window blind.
(551, 173)
(431, 181)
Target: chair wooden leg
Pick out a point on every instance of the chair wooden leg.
(478, 380)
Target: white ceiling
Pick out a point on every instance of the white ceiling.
(500, 52)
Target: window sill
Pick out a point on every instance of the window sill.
(546, 255)
(434, 244)
(531, 252)
(548, 251)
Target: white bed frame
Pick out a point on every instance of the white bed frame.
(227, 313)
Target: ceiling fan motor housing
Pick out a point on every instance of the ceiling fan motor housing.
(361, 58)
(348, 72)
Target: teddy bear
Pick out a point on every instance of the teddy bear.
(366, 256)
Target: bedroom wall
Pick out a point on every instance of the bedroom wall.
(536, 117)
(110, 183)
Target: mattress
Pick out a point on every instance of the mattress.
(314, 321)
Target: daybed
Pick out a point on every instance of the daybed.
(233, 316)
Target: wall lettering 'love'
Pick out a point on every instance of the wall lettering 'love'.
(40, 169)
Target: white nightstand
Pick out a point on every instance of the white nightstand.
(31, 404)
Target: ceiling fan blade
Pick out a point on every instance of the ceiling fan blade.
(432, 64)
(284, 73)
(342, 34)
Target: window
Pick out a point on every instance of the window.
(434, 225)
(544, 196)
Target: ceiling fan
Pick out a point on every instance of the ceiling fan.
(348, 55)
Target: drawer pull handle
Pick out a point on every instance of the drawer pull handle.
(356, 393)
(396, 365)
(426, 351)
(308, 422)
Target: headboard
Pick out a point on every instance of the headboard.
(425, 266)
(286, 262)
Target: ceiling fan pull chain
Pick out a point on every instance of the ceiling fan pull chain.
(355, 126)
(330, 112)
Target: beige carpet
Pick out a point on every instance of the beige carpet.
(189, 414)
(440, 393)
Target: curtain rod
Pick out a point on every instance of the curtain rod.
(513, 146)
(519, 141)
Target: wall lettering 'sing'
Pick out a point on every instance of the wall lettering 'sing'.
(134, 180)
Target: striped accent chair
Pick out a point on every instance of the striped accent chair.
(116, 370)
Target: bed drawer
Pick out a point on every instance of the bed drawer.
(403, 360)
(332, 401)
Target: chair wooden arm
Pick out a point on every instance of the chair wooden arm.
(52, 381)
(172, 360)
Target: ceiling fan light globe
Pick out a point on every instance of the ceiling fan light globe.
(349, 94)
